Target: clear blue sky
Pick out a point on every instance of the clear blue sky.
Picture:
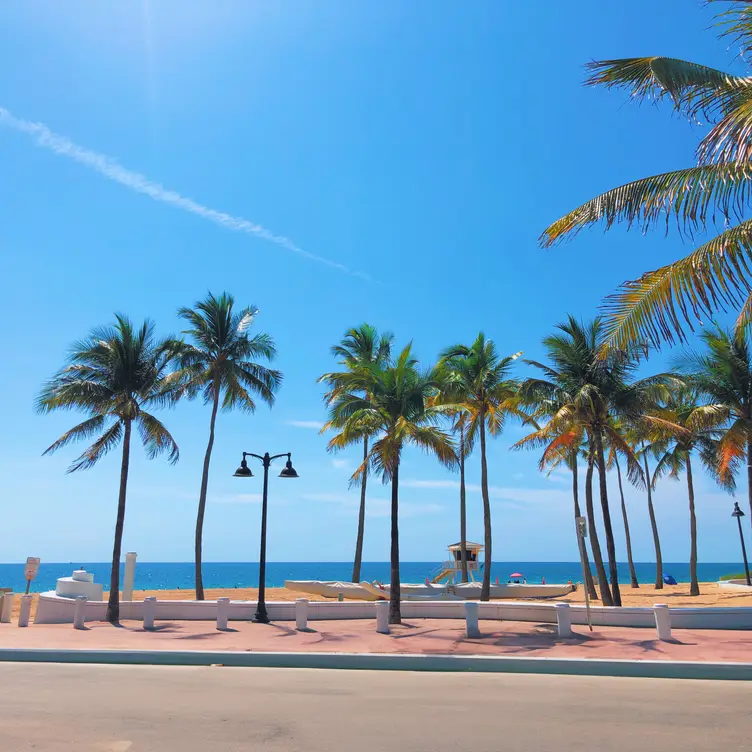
(425, 145)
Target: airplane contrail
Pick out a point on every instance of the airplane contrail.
(112, 170)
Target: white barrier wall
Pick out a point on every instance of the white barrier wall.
(52, 609)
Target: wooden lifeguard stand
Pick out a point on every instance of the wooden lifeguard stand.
(451, 570)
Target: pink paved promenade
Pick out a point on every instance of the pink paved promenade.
(434, 636)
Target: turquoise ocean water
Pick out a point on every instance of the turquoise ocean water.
(173, 575)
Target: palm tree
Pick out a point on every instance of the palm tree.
(221, 363)
(662, 304)
(115, 375)
(491, 396)
(723, 374)
(628, 538)
(697, 428)
(390, 402)
(361, 346)
(453, 394)
(595, 390)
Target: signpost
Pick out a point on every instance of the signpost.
(581, 535)
(30, 571)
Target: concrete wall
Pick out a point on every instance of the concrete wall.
(52, 609)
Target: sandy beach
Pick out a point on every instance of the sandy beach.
(646, 595)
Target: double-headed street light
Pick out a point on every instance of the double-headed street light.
(245, 472)
(739, 514)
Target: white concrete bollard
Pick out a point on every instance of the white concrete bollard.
(662, 621)
(150, 611)
(301, 615)
(6, 608)
(563, 619)
(79, 615)
(130, 572)
(382, 617)
(223, 612)
(25, 611)
(471, 619)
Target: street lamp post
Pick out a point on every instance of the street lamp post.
(739, 514)
(245, 472)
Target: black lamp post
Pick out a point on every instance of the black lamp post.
(245, 472)
(739, 514)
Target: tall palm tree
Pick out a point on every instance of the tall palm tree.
(115, 375)
(723, 374)
(627, 536)
(662, 304)
(594, 391)
(490, 396)
(391, 404)
(697, 429)
(453, 394)
(361, 346)
(221, 362)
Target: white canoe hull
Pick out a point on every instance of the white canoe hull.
(365, 591)
(471, 590)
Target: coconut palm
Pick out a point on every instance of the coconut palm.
(662, 304)
(453, 394)
(723, 374)
(698, 429)
(627, 536)
(490, 396)
(221, 362)
(115, 375)
(390, 403)
(361, 346)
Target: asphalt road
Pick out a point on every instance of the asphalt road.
(61, 708)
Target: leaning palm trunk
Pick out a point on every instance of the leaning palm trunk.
(632, 573)
(694, 586)
(202, 498)
(357, 562)
(749, 476)
(463, 507)
(485, 591)
(113, 605)
(654, 527)
(589, 585)
(395, 612)
(610, 545)
(596, 546)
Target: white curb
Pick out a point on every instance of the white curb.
(390, 662)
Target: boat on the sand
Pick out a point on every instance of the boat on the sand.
(367, 591)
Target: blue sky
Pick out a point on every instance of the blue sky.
(422, 149)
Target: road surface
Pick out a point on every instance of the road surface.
(61, 708)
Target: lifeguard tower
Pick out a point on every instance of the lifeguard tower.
(451, 571)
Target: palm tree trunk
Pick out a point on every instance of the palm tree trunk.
(395, 613)
(202, 496)
(632, 573)
(594, 543)
(694, 586)
(113, 605)
(654, 527)
(463, 507)
(749, 476)
(485, 590)
(361, 518)
(610, 544)
(589, 585)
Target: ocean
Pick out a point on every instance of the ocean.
(174, 575)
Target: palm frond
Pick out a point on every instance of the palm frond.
(156, 438)
(107, 441)
(695, 90)
(658, 305)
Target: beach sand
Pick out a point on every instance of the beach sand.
(646, 595)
